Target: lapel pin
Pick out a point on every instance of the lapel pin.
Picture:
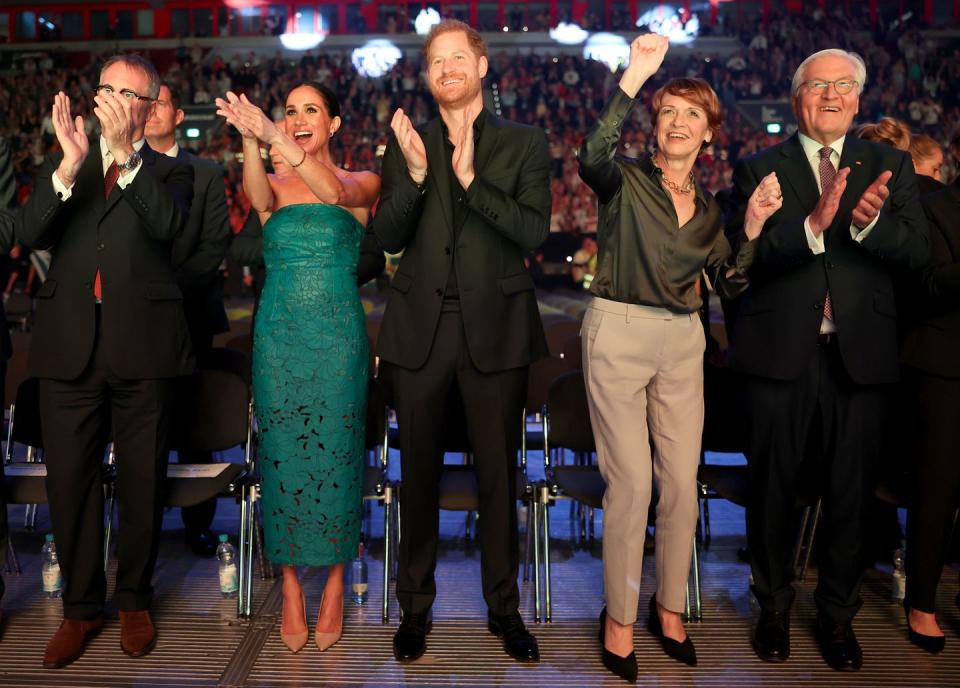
(856, 162)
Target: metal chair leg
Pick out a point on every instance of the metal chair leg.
(527, 537)
(12, 558)
(545, 498)
(387, 547)
(801, 537)
(697, 593)
(536, 506)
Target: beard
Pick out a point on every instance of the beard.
(466, 94)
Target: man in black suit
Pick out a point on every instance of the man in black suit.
(464, 197)
(108, 339)
(816, 337)
(197, 254)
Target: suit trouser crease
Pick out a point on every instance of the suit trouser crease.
(935, 441)
(199, 517)
(816, 436)
(643, 370)
(77, 420)
(493, 403)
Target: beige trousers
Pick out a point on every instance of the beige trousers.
(643, 368)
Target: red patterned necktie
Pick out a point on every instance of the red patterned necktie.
(109, 181)
(827, 173)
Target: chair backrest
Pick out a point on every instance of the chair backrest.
(541, 375)
(26, 419)
(569, 415)
(211, 411)
(227, 359)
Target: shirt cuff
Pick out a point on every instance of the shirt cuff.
(63, 193)
(860, 234)
(124, 181)
(814, 242)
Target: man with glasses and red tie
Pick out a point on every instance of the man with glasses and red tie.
(109, 337)
(816, 337)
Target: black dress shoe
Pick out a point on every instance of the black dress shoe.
(838, 644)
(410, 640)
(771, 638)
(933, 644)
(518, 642)
(624, 667)
(201, 542)
(682, 652)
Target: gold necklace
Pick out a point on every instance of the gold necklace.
(672, 185)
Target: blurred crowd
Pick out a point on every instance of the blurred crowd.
(911, 77)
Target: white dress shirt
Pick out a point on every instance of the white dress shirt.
(106, 157)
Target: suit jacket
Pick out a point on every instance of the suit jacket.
(778, 320)
(200, 248)
(932, 334)
(508, 207)
(128, 236)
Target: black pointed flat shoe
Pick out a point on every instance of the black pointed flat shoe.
(624, 667)
(933, 644)
(682, 652)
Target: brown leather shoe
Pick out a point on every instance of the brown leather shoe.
(137, 634)
(68, 643)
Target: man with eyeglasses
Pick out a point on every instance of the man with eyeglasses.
(197, 254)
(108, 339)
(816, 336)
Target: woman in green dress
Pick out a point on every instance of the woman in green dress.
(310, 347)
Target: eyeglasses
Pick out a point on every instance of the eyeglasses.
(841, 86)
(125, 92)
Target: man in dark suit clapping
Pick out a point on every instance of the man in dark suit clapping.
(816, 336)
(463, 197)
(108, 338)
(197, 254)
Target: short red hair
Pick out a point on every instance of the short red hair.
(477, 44)
(698, 92)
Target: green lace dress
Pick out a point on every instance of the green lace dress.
(310, 385)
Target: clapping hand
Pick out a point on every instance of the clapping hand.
(826, 208)
(765, 200)
(463, 150)
(115, 113)
(411, 145)
(646, 55)
(71, 137)
(247, 118)
(872, 200)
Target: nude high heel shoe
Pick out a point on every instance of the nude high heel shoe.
(296, 641)
(327, 640)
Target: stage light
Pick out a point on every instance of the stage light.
(774, 127)
(375, 58)
(301, 41)
(608, 48)
(568, 34)
(426, 20)
(193, 133)
(667, 21)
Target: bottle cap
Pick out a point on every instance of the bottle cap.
(49, 537)
(224, 537)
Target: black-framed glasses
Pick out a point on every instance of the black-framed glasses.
(841, 86)
(125, 92)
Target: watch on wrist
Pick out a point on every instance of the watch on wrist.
(131, 163)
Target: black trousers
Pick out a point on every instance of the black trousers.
(76, 427)
(199, 517)
(493, 403)
(824, 426)
(935, 440)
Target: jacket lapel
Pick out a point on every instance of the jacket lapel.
(148, 158)
(799, 174)
(437, 154)
(488, 142)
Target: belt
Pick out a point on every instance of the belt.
(827, 338)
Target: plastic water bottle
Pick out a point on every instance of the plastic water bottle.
(52, 578)
(358, 578)
(229, 576)
(899, 578)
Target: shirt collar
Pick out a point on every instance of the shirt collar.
(173, 152)
(478, 123)
(812, 148)
(105, 150)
